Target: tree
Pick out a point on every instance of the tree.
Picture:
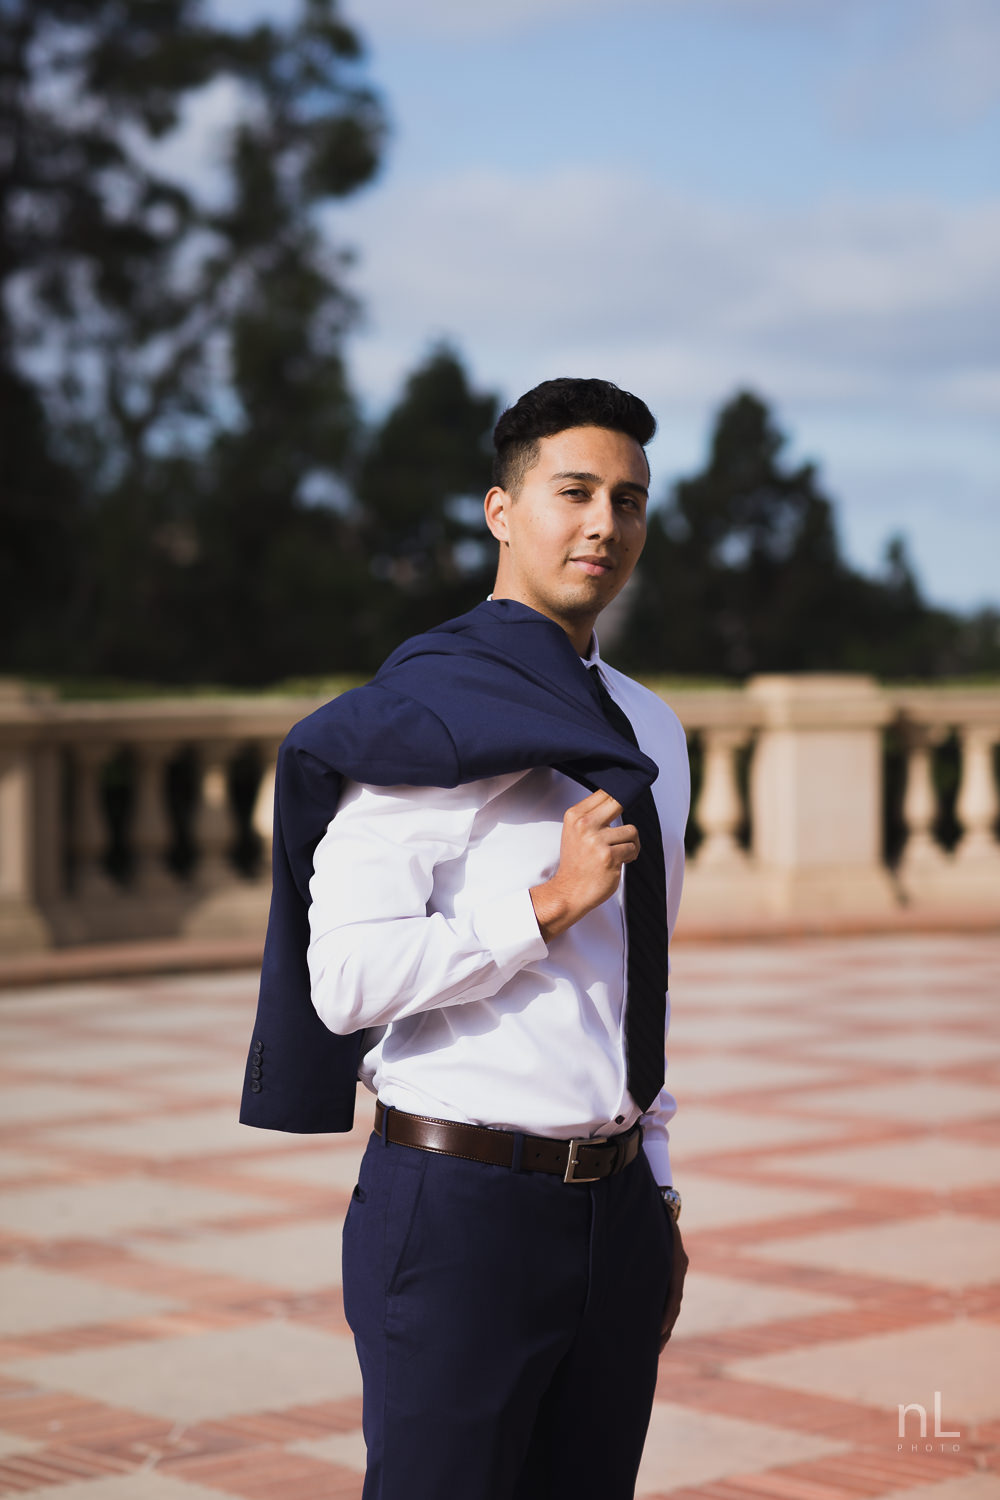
(175, 344)
(420, 489)
(743, 573)
(41, 534)
(743, 558)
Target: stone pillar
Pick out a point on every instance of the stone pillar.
(22, 926)
(816, 795)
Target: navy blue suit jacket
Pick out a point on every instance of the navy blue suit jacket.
(497, 690)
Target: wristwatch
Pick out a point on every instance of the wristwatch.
(671, 1202)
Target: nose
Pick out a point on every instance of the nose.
(601, 520)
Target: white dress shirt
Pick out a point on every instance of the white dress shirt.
(424, 935)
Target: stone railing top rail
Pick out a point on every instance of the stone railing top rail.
(947, 706)
(30, 714)
(175, 719)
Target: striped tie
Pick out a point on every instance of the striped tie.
(646, 922)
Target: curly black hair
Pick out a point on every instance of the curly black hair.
(554, 406)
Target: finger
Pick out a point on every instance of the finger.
(604, 813)
(626, 834)
(623, 854)
(595, 799)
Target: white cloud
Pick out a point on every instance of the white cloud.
(869, 325)
(586, 269)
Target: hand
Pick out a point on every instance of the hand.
(677, 1275)
(591, 856)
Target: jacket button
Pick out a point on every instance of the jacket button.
(258, 1046)
(256, 1087)
(255, 1072)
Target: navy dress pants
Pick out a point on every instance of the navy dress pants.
(507, 1326)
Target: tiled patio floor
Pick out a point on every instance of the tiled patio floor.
(838, 1147)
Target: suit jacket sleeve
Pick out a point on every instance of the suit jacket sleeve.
(299, 1076)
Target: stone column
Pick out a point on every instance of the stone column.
(816, 795)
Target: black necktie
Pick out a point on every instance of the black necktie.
(646, 920)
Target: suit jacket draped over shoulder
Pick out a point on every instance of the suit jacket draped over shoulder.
(498, 690)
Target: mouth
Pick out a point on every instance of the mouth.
(594, 567)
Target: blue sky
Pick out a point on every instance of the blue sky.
(692, 196)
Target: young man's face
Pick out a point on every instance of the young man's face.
(573, 532)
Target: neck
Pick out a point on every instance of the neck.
(580, 629)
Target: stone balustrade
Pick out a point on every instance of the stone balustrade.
(816, 797)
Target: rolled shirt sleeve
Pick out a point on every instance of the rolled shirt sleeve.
(656, 1138)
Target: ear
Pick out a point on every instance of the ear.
(496, 506)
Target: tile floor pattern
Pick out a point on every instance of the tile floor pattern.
(838, 1146)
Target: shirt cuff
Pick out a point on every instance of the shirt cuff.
(508, 931)
(657, 1149)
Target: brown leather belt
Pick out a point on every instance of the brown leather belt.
(579, 1160)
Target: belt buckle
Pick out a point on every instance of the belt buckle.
(570, 1173)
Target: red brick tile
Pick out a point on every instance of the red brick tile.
(247, 1455)
(319, 1419)
(271, 1473)
(25, 1472)
(800, 1411)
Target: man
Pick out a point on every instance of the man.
(512, 1261)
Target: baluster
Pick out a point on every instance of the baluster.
(977, 798)
(213, 823)
(152, 832)
(90, 823)
(922, 854)
(720, 808)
